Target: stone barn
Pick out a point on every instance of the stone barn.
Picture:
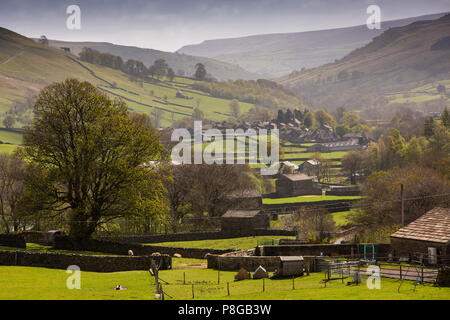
(244, 220)
(429, 236)
(242, 199)
(291, 185)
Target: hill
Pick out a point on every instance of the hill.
(401, 62)
(280, 54)
(177, 61)
(27, 66)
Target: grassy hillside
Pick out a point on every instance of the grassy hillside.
(279, 54)
(177, 61)
(26, 67)
(398, 63)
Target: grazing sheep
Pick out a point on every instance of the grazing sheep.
(130, 253)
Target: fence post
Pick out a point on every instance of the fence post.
(218, 277)
(422, 274)
(192, 291)
(293, 283)
(228, 288)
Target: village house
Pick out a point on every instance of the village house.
(291, 185)
(309, 167)
(428, 235)
(244, 220)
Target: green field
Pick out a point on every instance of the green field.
(300, 199)
(236, 243)
(340, 218)
(42, 284)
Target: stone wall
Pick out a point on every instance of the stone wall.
(85, 262)
(12, 240)
(194, 236)
(409, 247)
(120, 248)
(330, 205)
(317, 250)
(250, 263)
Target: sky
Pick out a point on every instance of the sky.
(170, 24)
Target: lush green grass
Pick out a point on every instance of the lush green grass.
(306, 199)
(7, 148)
(236, 243)
(340, 218)
(42, 283)
(10, 136)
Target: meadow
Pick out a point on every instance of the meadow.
(42, 283)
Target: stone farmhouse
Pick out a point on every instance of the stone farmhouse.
(427, 236)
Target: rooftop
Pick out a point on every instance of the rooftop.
(241, 213)
(433, 226)
(297, 177)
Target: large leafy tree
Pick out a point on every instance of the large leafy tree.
(95, 162)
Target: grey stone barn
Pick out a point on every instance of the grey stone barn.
(244, 220)
(432, 230)
(291, 185)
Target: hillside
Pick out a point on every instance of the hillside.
(403, 61)
(177, 61)
(26, 67)
(280, 54)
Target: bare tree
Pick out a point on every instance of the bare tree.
(12, 185)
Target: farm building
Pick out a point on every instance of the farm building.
(290, 266)
(242, 199)
(291, 185)
(429, 236)
(244, 220)
(309, 166)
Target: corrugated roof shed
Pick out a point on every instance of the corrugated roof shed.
(433, 226)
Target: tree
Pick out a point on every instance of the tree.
(12, 185)
(382, 205)
(235, 107)
(198, 114)
(92, 156)
(428, 127)
(309, 120)
(9, 121)
(445, 118)
(324, 118)
(200, 72)
(352, 165)
(160, 67)
(170, 74)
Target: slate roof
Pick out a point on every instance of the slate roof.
(241, 213)
(433, 226)
(297, 177)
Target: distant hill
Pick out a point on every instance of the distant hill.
(177, 61)
(27, 66)
(401, 59)
(279, 54)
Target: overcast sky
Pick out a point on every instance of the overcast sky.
(169, 24)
